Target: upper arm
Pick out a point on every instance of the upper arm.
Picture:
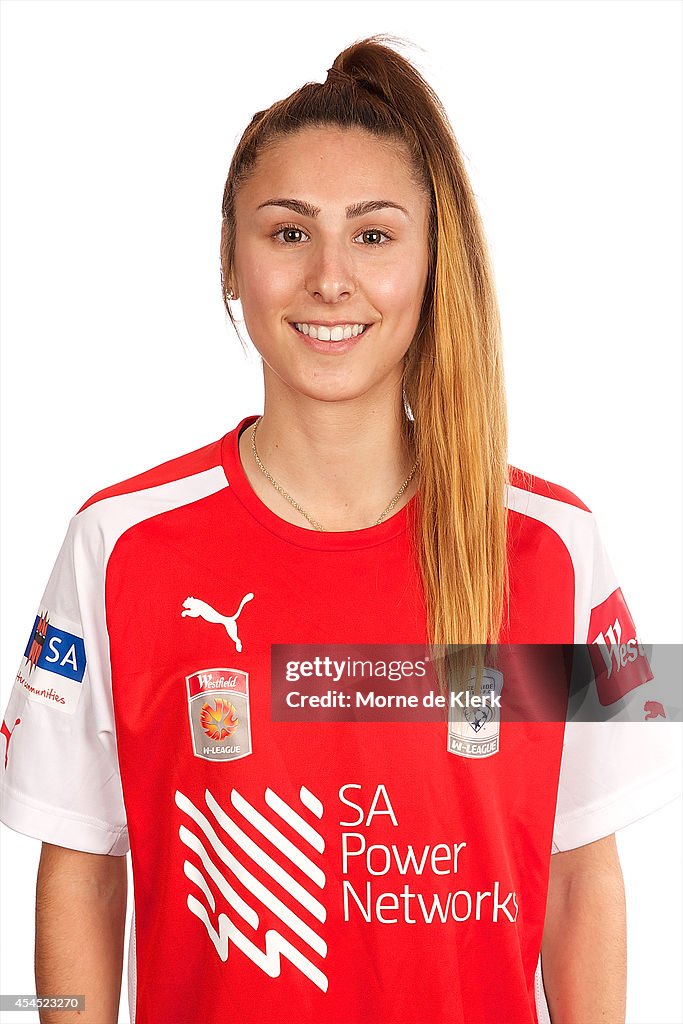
(588, 861)
(106, 874)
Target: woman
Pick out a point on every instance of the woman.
(303, 862)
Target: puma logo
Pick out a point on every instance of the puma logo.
(654, 710)
(201, 610)
(7, 733)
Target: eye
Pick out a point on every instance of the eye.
(289, 229)
(376, 231)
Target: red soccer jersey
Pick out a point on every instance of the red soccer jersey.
(341, 871)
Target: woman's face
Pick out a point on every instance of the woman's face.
(303, 255)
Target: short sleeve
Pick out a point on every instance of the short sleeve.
(621, 758)
(59, 773)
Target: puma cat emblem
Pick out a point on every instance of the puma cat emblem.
(654, 710)
(197, 609)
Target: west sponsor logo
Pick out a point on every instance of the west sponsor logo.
(618, 654)
(618, 657)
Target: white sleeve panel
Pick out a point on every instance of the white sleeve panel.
(59, 775)
(612, 774)
(622, 760)
(59, 769)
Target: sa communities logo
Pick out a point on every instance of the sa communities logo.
(53, 666)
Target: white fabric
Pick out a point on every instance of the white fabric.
(62, 783)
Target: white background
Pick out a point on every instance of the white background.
(119, 120)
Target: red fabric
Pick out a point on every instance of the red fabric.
(327, 962)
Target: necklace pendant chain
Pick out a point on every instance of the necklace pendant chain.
(314, 523)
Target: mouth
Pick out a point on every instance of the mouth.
(335, 347)
(331, 341)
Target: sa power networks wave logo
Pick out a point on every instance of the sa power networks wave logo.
(214, 865)
(391, 881)
(218, 705)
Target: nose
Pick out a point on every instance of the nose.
(330, 275)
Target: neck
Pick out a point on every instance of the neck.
(343, 462)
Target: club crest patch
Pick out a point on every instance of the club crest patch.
(474, 731)
(218, 705)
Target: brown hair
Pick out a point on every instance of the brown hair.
(453, 381)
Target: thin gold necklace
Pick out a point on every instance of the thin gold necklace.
(298, 507)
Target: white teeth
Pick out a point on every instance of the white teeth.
(331, 334)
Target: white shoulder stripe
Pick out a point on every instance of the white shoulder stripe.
(576, 529)
(118, 513)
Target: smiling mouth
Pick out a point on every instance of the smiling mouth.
(330, 341)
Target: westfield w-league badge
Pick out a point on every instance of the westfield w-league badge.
(218, 705)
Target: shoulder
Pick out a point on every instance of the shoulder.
(182, 467)
(544, 504)
(178, 482)
(550, 522)
(529, 484)
(552, 550)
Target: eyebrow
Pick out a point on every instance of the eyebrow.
(305, 209)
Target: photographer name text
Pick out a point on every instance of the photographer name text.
(371, 699)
